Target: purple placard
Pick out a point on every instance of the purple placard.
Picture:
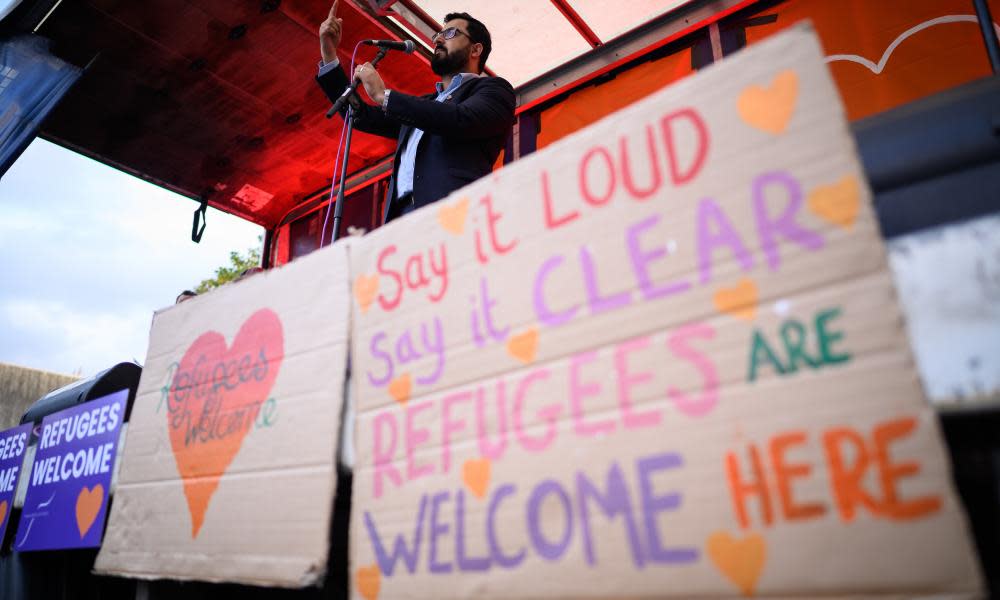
(13, 443)
(67, 495)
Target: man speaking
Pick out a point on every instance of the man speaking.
(444, 140)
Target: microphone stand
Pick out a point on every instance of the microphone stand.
(338, 208)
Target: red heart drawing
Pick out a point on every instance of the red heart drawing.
(214, 400)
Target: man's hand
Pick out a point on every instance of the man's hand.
(329, 35)
(372, 81)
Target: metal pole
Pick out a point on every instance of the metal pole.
(989, 34)
(338, 209)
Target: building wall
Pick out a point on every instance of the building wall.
(20, 387)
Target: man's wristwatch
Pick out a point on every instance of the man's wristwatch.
(385, 100)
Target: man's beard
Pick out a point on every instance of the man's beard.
(449, 63)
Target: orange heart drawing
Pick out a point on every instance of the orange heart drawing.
(3, 512)
(476, 475)
(368, 580)
(770, 109)
(741, 561)
(452, 218)
(523, 345)
(88, 506)
(400, 388)
(205, 393)
(365, 290)
(738, 301)
(837, 203)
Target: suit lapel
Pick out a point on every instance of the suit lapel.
(461, 91)
(406, 131)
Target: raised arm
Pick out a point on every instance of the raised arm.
(333, 81)
(330, 32)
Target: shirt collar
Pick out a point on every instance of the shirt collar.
(455, 81)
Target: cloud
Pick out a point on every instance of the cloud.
(73, 340)
(88, 255)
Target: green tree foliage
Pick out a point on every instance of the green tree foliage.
(237, 264)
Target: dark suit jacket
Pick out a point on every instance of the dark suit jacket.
(463, 135)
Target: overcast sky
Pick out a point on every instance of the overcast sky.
(87, 253)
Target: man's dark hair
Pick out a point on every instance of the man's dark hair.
(477, 33)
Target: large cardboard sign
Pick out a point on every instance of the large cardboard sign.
(13, 443)
(67, 496)
(661, 358)
(229, 468)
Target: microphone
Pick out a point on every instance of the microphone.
(406, 46)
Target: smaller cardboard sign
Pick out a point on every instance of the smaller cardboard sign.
(67, 495)
(229, 471)
(13, 443)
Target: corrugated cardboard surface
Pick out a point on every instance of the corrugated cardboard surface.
(267, 522)
(559, 406)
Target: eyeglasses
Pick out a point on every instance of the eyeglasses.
(447, 34)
